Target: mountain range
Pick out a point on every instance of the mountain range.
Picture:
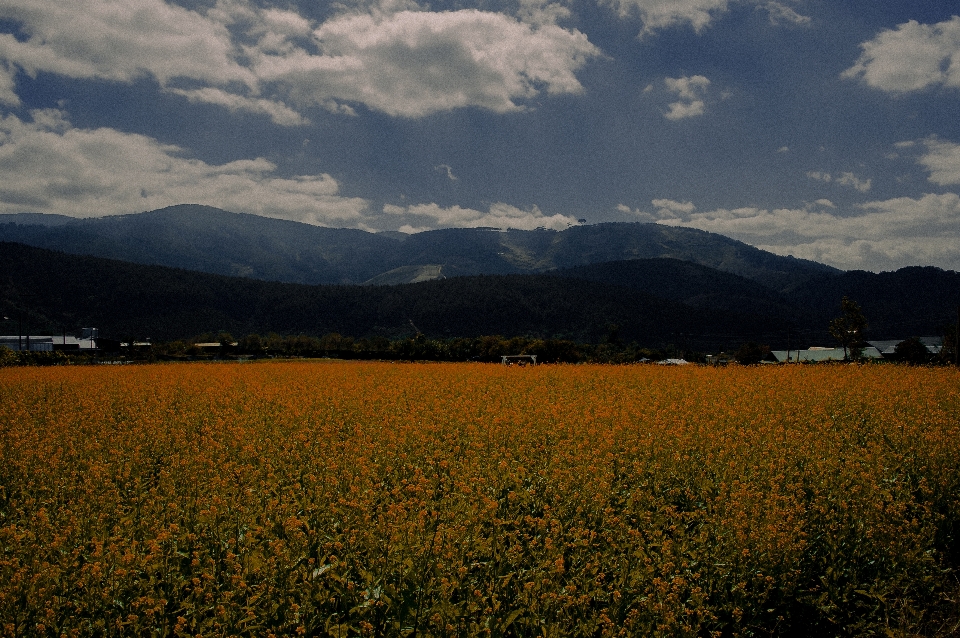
(219, 242)
(187, 270)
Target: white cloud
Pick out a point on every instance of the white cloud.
(635, 214)
(540, 12)
(878, 235)
(8, 86)
(782, 14)
(690, 90)
(416, 63)
(849, 179)
(120, 40)
(277, 111)
(698, 14)
(661, 14)
(843, 179)
(234, 54)
(671, 206)
(911, 57)
(51, 167)
(447, 170)
(425, 216)
(942, 159)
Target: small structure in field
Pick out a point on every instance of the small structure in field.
(521, 359)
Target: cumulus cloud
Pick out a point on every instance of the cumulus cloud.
(415, 63)
(51, 167)
(277, 111)
(879, 235)
(781, 14)
(697, 14)
(849, 179)
(690, 90)
(446, 169)
(120, 41)
(425, 216)
(664, 209)
(8, 86)
(147, 38)
(661, 14)
(911, 57)
(843, 179)
(243, 57)
(673, 207)
(942, 159)
(540, 12)
(637, 214)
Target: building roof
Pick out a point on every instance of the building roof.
(55, 340)
(889, 346)
(821, 354)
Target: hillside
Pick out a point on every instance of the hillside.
(215, 241)
(57, 291)
(694, 285)
(219, 242)
(912, 301)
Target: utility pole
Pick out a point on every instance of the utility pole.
(956, 341)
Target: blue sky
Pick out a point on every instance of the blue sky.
(825, 130)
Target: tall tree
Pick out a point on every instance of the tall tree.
(848, 329)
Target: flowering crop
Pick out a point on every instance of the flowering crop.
(343, 499)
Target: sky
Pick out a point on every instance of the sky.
(827, 130)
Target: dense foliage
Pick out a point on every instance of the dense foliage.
(654, 303)
(132, 302)
(342, 499)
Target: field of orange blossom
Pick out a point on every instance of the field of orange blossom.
(344, 499)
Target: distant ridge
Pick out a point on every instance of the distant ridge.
(39, 219)
(215, 241)
(654, 302)
(126, 300)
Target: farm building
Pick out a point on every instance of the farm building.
(888, 348)
(47, 343)
(820, 355)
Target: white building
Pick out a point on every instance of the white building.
(821, 354)
(47, 343)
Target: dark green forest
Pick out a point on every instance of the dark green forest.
(662, 304)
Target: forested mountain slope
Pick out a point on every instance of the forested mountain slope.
(216, 241)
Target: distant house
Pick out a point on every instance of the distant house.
(815, 355)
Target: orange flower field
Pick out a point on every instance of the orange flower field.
(345, 498)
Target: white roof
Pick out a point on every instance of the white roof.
(821, 354)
